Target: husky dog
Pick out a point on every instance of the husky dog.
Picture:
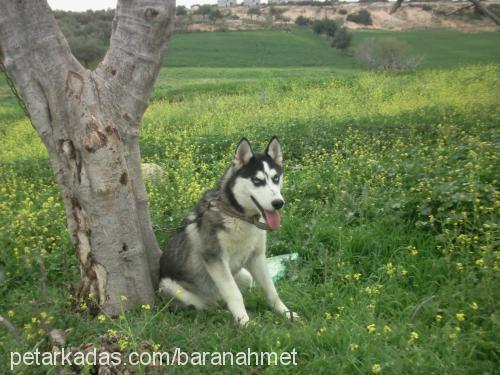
(220, 248)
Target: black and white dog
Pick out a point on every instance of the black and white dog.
(220, 248)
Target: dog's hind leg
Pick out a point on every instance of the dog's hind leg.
(172, 289)
(243, 279)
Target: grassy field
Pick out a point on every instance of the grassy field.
(300, 47)
(392, 189)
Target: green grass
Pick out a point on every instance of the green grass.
(391, 183)
(445, 48)
(301, 47)
(251, 49)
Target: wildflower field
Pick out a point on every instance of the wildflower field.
(391, 183)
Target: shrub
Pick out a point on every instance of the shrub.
(215, 14)
(302, 21)
(342, 11)
(362, 17)
(318, 27)
(276, 13)
(342, 39)
(387, 54)
(180, 10)
(327, 27)
(253, 11)
(427, 7)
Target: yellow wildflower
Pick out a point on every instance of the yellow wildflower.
(371, 328)
(376, 368)
(123, 343)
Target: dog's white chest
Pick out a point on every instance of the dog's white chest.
(239, 241)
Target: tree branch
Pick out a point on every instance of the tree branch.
(140, 33)
(37, 55)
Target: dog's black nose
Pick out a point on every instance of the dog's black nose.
(278, 203)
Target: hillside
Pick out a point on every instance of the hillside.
(457, 15)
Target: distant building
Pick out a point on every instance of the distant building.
(226, 3)
(251, 3)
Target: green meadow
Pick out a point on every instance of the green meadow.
(391, 183)
(300, 47)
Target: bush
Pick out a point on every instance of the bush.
(327, 27)
(302, 21)
(362, 17)
(215, 14)
(87, 50)
(318, 27)
(204, 10)
(342, 11)
(253, 11)
(180, 10)
(386, 54)
(276, 13)
(342, 39)
(427, 7)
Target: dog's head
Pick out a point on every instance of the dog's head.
(255, 181)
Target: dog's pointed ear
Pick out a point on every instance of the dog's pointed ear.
(273, 150)
(243, 153)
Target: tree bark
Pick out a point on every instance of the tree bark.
(89, 122)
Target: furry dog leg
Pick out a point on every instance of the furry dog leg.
(258, 268)
(170, 288)
(244, 279)
(224, 281)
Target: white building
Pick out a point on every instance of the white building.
(251, 3)
(226, 3)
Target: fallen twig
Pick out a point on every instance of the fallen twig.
(420, 305)
(10, 327)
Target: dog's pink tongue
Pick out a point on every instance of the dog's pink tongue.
(273, 219)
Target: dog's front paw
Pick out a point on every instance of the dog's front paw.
(292, 316)
(243, 320)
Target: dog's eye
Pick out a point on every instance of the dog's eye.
(257, 181)
(276, 179)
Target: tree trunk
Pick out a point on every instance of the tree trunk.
(89, 122)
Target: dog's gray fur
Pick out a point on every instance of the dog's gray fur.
(215, 255)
